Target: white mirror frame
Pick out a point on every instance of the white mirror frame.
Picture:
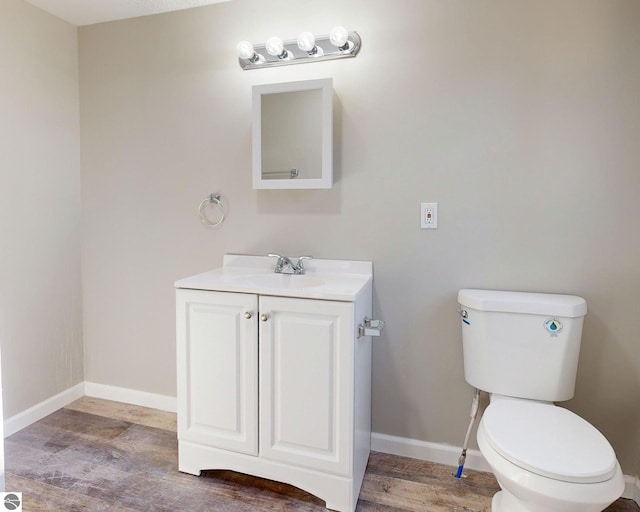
(326, 180)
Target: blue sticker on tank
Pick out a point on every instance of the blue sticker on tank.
(553, 326)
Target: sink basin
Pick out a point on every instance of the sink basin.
(277, 281)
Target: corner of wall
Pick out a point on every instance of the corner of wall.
(37, 412)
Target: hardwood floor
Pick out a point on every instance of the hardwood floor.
(98, 455)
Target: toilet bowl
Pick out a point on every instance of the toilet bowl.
(547, 459)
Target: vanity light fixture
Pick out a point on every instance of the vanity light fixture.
(338, 44)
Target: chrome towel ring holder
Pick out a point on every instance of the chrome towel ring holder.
(215, 201)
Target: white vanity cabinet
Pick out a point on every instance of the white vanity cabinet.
(276, 386)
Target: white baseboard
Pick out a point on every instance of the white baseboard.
(632, 489)
(131, 396)
(423, 450)
(37, 412)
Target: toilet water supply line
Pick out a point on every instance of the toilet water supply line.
(473, 414)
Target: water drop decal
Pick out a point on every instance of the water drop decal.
(553, 326)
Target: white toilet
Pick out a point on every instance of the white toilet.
(523, 349)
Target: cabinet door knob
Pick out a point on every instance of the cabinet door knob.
(264, 318)
(248, 315)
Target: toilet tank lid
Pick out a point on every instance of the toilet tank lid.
(569, 306)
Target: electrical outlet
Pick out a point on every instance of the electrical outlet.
(429, 215)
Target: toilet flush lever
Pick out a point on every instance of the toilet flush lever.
(370, 327)
(464, 315)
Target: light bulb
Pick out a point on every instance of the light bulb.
(339, 37)
(275, 46)
(306, 41)
(245, 50)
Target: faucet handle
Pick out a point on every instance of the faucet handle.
(279, 262)
(300, 263)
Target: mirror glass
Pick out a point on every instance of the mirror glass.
(292, 135)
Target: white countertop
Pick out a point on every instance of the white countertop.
(323, 279)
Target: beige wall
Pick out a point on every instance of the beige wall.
(520, 118)
(40, 295)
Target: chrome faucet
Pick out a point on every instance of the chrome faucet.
(285, 266)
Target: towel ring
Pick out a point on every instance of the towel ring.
(213, 199)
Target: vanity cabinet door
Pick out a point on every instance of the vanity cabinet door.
(306, 382)
(217, 353)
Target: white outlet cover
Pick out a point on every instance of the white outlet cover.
(429, 215)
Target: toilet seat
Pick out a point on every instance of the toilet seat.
(549, 441)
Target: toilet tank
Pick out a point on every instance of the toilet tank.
(520, 344)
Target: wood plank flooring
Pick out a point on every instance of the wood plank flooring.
(97, 455)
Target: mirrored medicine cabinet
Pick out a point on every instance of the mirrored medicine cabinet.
(292, 135)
